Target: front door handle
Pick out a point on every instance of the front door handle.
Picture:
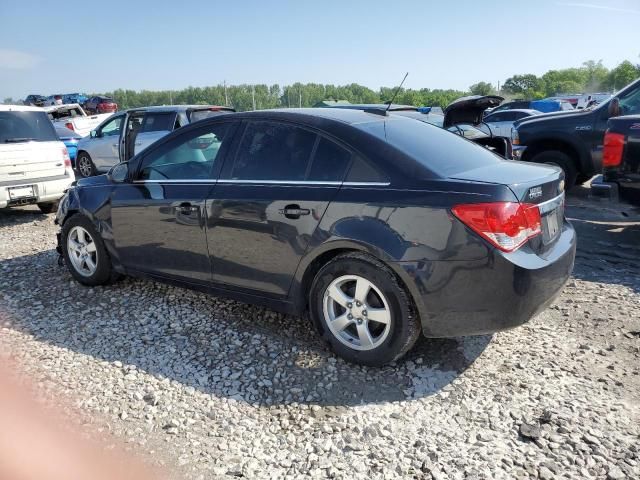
(294, 211)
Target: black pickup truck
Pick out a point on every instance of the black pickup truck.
(620, 160)
(573, 140)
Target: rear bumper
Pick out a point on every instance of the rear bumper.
(45, 190)
(501, 291)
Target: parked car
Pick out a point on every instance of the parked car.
(78, 98)
(100, 104)
(380, 226)
(34, 163)
(544, 106)
(573, 140)
(501, 123)
(126, 133)
(35, 100)
(590, 99)
(620, 160)
(52, 100)
(70, 140)
(74, 118)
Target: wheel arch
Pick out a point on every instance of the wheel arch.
(573, 149)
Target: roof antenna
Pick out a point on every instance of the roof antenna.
(395, 94)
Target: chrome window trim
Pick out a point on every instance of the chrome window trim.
(550, 205)
(271, 182)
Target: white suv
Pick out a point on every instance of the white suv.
(34, 163)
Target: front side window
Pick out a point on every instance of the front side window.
(191, 156)
(112, 127)
(273, 151)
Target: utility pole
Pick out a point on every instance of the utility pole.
(226, 98)
(170, 97)
(253, 96)
(300, 97)
(289, 97)
(498, 86)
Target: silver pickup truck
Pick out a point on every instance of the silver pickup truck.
(127, 133)
(73, 117)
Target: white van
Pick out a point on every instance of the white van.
(34, 163)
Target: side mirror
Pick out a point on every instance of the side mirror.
(614, 107)
(119, 173)
(93, 134)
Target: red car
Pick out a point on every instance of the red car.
(100, 105)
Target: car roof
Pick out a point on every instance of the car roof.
(343, 115)
(20, 108)
(175, 108)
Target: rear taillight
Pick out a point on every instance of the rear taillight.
(69, 125)
(506, 225)
(613, 148)
(65, 157)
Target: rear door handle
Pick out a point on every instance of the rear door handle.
(294, 211)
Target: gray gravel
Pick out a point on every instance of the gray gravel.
(212, 388)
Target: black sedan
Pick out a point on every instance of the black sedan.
(382, 227)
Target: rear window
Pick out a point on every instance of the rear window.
(442, 152)
(65, 113)
(26, 126)
(158, 122)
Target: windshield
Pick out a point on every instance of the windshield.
(26, 126)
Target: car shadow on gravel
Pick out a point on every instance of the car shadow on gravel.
(608, 248)
(21, 215)
(219, 347)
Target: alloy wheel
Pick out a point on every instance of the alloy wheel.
(356, 312)
(84, 166)
(82, 251)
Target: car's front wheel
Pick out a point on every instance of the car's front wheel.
(84, 252)
(362, 310)
(85, 165)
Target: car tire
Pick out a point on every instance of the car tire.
(347, 322)
(562, 160)
(84, 165)
(48, 207)
(87, 258)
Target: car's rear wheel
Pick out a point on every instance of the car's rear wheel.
(84, 252)
(49, 207)
(562, 160)
(85, 165)
(362, 310)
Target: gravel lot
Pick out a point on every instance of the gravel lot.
(212, 388)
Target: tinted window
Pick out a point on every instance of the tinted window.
(330, 162)
(202, 114)
(363, 171)
(64, 132)
(519, 115)
(112, 127)
(437, 149)
(158, 122)
(495, 117)
(188, 157)
(26, 126)
(273, 151)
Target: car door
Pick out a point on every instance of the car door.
(104, 147)
(159, 215)
(268, 202)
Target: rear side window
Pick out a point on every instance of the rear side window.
(158, 122)
(18, 127)
(440, 151)
(330, 162)
(273, 151)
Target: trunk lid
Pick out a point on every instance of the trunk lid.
(541, 185)
(469, 109)
(23, 162)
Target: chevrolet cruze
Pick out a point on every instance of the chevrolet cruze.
(381, 227)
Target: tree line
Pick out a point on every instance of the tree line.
(592, 76)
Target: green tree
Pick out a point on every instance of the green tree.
(527, 86)
(482, 88)
(622, 75)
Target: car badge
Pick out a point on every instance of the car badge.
(535, 192)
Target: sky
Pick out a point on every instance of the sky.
(84, 46)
